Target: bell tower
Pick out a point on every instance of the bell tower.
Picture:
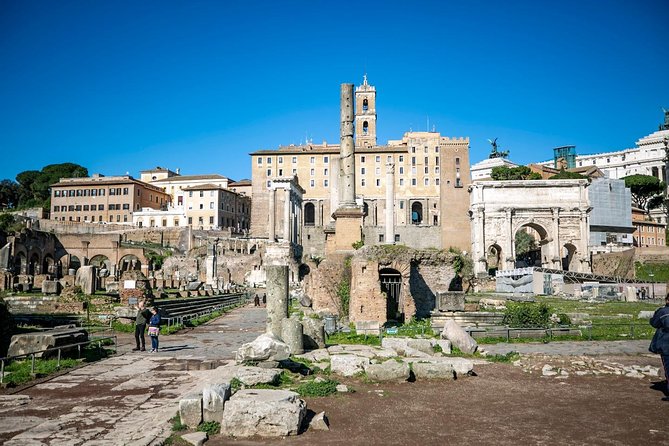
(365, 115)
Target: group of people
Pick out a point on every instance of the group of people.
(256, 300)
(146, 316)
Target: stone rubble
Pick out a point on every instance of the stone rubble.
(561, 368)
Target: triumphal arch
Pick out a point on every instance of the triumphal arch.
(553, 216)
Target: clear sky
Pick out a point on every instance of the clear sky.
(121, 86)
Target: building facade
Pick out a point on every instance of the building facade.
(647, 233)
(416, 185)
(103, 199)
(210, 206)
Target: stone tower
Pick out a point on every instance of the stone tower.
(365, 115)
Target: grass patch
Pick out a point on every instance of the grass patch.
(177, 425)
(507, 358)
(317, 389)
(123, 328)
(19, 372)
(210, 427)
(353, 338)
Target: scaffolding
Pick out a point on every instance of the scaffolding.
(566, 153)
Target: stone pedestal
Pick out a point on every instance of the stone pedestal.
(277, 297)
(86, 279)
(348, 228)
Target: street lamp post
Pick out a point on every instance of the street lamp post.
(652, 284)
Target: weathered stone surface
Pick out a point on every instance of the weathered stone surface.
(645, 314)
(388, 371)
(190, 410)
(196, 438)
(451, 301)
(112, 287)
(33, 342)
(50, 287)
(342, 388)
(292, 335)
(86, 279)
(367, 351)
(277, 297)
(125, 312)
(267, 413)
(445, 345)
(193, 286)
(214, 397)
(460, 338)
(402, 348)
(433, 370)
(368, 327)
(251, 376)
(347, 365)
(264, 347)
(314, 333)
(320, 422)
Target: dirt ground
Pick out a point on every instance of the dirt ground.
(503, 405)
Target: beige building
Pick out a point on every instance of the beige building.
(646, 231)
(210, 206)
(423, 177)
(103, 199)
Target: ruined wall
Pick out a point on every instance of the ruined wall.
(173, 237)
(617, 264)
(322, 282)
(368, 303)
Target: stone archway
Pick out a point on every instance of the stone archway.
(48, 265)
(568, 255)
(34, 264)
(20, 263)
(129, 262)
(101, 261)
(530, 243)
(416, 212)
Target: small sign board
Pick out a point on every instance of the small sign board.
(132, 301)
(129, 284)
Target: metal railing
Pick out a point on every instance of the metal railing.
(59, 349)
(550, 332)
(180, 319)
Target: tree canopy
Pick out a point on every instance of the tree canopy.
(644, 190)
(33, 185)
(513, 173)
(9, 194)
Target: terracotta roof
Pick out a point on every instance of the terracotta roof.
(214, 176)
(93, 181)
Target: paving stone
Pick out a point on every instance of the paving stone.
(196, 438)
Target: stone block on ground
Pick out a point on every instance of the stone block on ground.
(451, 301)
(50, 287)
(445, 345)
(368, 351)
(320, 422)
(262, 412)
(250, 376)
(433, 370)
(348, 365)
(183, 294)
(26, 343)
(402, 348)
(112, 287)
(645, 314)
(86, 279)
(314, 333)
(214, 397)
(368, 327)
(193, 286)
(388, 371)
(458, 337)
(196, 438)
(190, 410)
(265, 347)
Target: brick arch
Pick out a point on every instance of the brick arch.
(406, 304)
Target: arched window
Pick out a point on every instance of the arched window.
(365, 128)
(309, 214)
(655, 172)
(416, 213)
(365, 105)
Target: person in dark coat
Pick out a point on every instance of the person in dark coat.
(660, 343)
(154, 329)
(142, 318)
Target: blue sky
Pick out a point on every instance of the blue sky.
(122, 86)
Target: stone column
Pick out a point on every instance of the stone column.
(272, 215)
(390, 200)
(292, 333)
(334, 190)
(508, 251)
(286, 215)
(277, 297)
(347, 167)
(557, 249)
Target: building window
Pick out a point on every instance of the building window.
(312, 172)
(269, 160)
(326, 159)
(378, 171)
(312, 183)
(259, 163)
(365, 128)
(426, 170)
(312, 160)
(436, 161)
(401, 181)
(201, 193)
(425, 149)
(401, 170)
(294, 160)
(325, 171)
(427, 181)
(94, 207)
(190, 220)
(280, 160)
(280, 172)
(362, 182)
(56, 208)
(362, 171)
(85, 207)
(126, 206)
(413, 150)
(378, 182)
(436, 149)
(457, 161)
(365, 105)
(211, 205)
(112, 191)
(211, 220)
(436, 181)
(125, 191)
(401, 204)
(294, 171)
(401, 159)
(269, 172)
(362, 159)
(190, 194)
(381, 238)
(325, 183)
(458, 183)
(201, 205)
(397, 238)
(413, 170)
(413, 160)
(413, 181)
(436, 169)
(378, 159)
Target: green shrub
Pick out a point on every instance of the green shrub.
(210, 427)
(177, 425)
(317, 389)
(123, 328)
(524, 314)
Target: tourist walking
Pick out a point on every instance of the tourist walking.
(154, 329)
(142, 318)
(660, 342)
